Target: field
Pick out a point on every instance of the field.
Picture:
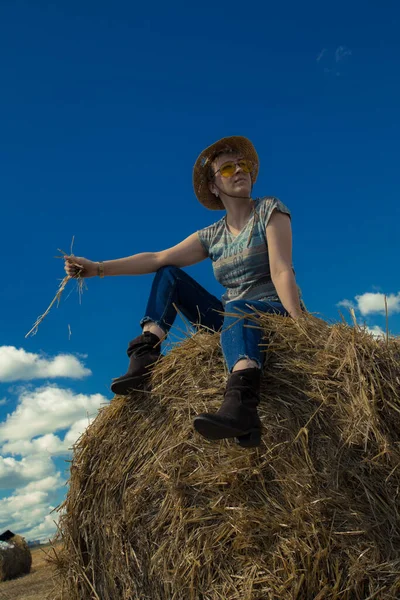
(34, 586)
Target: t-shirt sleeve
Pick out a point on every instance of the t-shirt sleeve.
(267, 207)
(205, 238)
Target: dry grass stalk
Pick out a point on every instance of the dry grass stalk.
(57, 297)
(155, 511)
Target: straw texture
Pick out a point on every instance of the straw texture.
(154, 511)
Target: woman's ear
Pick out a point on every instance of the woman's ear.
(213, 189)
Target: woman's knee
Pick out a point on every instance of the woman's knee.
(169, 270)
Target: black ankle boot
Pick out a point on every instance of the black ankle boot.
(142, 355)
(237, 416)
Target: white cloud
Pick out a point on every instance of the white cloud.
(332, 58)
(18, 364)
(27, 510)
(375, 303)
(14, 473)
(45, 530)
(40, 412)
(33, 477)
(46, 410)
(3, 401)
(370, 303)
(347, 304)
(47, 484)
(341, 53)
(30, 442)
(24, 520)
(377, 332)
(74, 433)
(49, 443)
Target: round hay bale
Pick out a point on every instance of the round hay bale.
(155, 511)
(15, 558)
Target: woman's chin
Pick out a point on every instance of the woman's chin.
(241, 190)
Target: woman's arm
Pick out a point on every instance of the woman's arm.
(137, 264)
(188, 252)
(286, 288)
(279, 240)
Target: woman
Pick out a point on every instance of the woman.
(251, 252)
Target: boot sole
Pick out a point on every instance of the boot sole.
(250, 440)
(122, 388)
(219, 431)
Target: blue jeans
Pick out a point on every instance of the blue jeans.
(172, 286)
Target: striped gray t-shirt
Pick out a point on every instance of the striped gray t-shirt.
(241, 263)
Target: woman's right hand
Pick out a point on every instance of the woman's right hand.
(77, 266)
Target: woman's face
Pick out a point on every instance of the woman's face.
(239, 184)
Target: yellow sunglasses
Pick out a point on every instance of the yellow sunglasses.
(229, 168)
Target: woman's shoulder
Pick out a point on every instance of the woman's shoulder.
(266, 200)
(213, 226)
(268, 203)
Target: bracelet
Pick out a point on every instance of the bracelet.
(100, 269)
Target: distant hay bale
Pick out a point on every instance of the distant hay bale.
(155, 512)
(15, 558)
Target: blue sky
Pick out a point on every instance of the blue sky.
(104, 109)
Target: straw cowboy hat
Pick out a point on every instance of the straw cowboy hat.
(202, 167)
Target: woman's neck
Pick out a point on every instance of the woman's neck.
(238, 212)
